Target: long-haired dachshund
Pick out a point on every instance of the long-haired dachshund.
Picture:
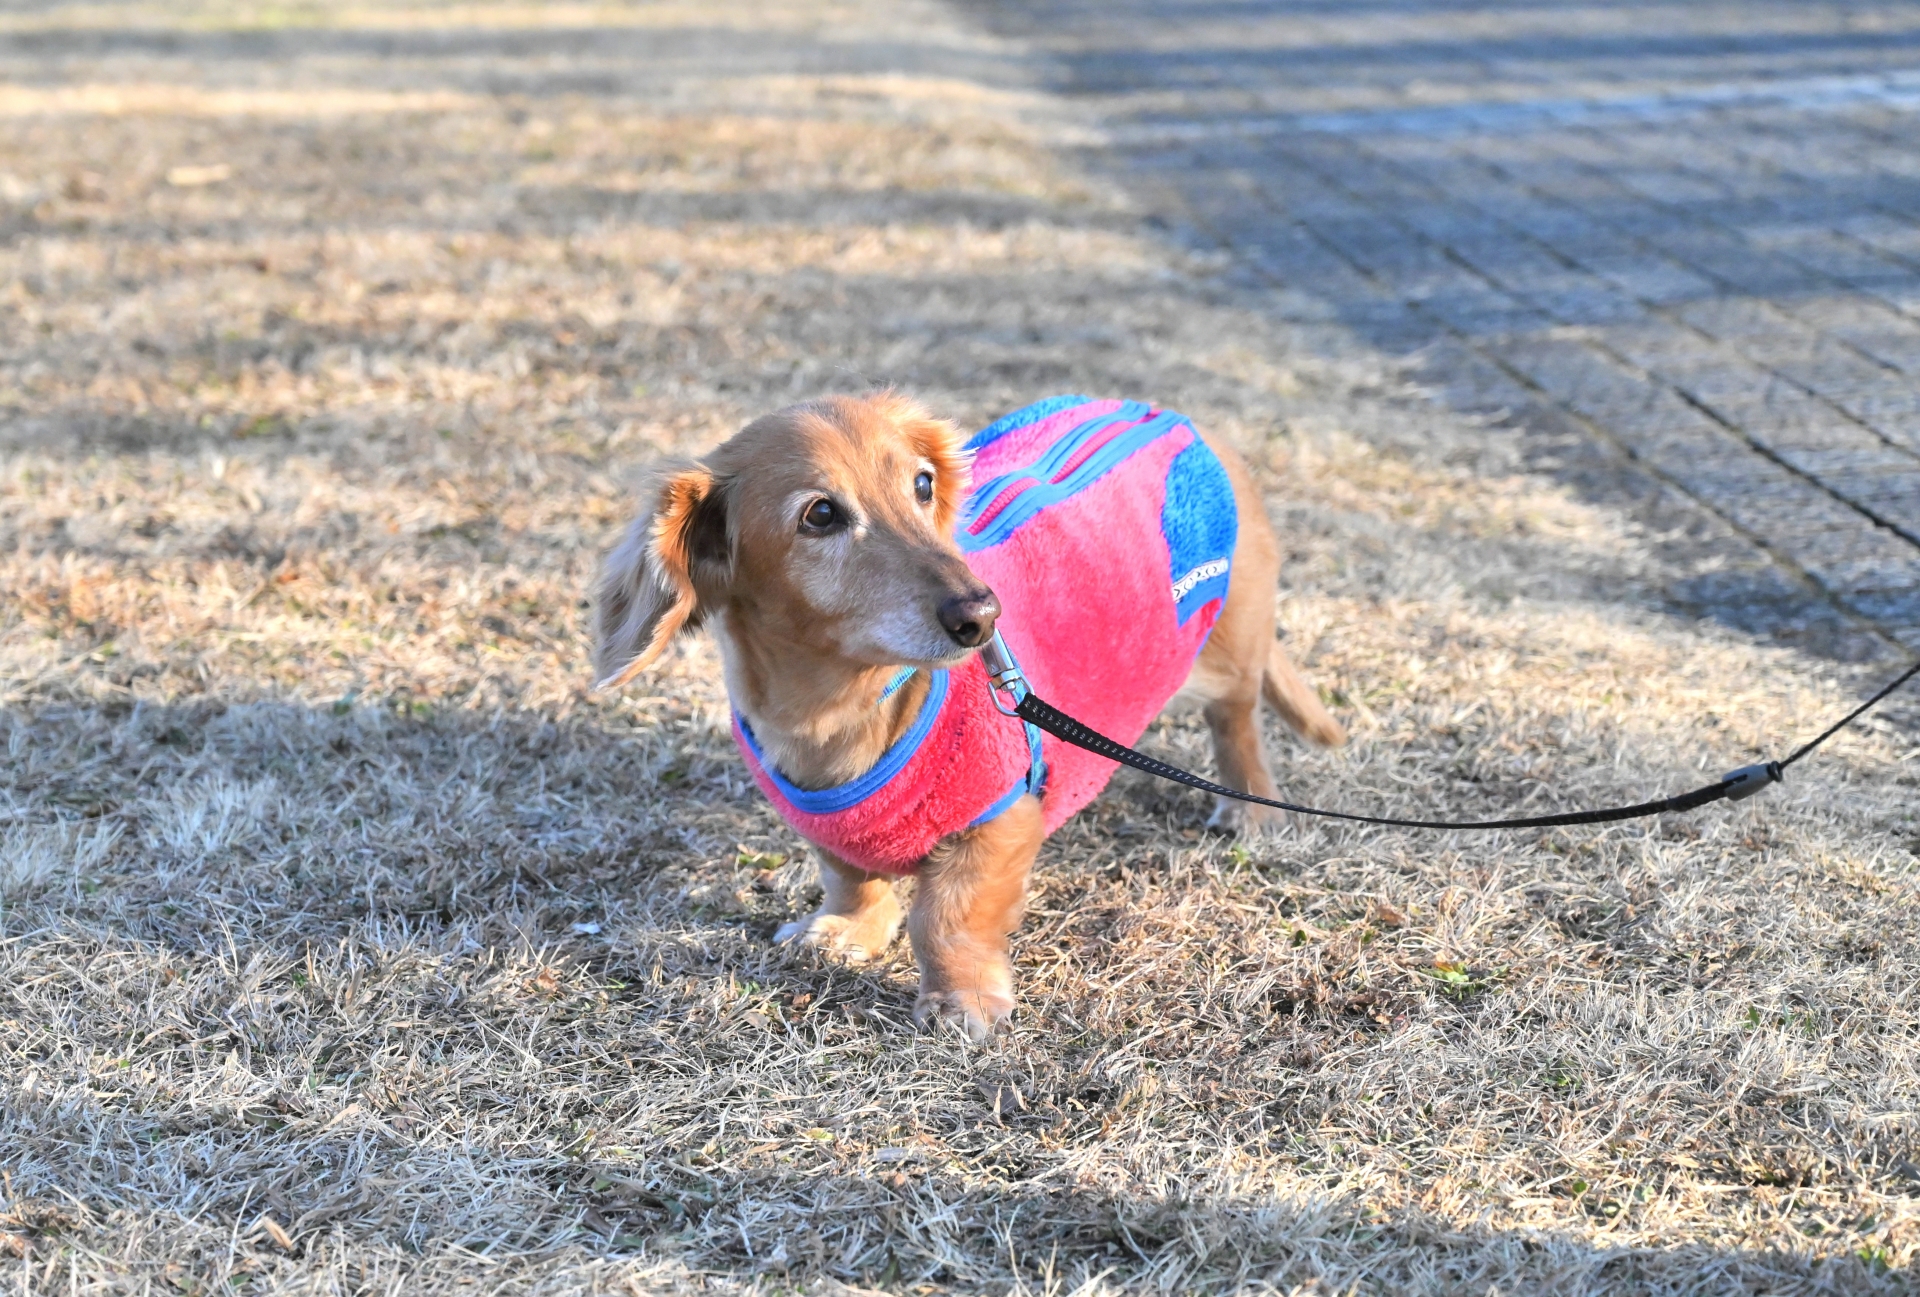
(853, 553)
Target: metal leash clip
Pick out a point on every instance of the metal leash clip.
(1003, 674)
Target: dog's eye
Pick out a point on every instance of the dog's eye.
(923, 488)
(821, 515)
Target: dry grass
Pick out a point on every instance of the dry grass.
(348, 945)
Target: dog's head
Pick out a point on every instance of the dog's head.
(825, 528)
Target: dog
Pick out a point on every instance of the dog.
(853, 553)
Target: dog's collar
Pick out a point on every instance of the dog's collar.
(894, 685)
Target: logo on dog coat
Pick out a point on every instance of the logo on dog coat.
(1184, 586)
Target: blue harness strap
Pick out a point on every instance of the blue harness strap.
(828, 801)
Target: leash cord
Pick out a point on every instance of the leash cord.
(1734, 786)
(1852, 716)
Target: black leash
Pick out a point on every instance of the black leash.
(1004, 675)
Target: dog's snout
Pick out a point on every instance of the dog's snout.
(969, 618)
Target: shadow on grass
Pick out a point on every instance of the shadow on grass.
(587, 59)
(507, 984)
(895, 1227)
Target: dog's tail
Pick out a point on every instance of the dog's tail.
(1296, 702)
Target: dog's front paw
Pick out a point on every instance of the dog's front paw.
(853, 937)
(976, 1013)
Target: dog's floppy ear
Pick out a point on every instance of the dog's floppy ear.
(648, 589)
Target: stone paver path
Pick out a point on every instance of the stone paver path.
(1690, 232)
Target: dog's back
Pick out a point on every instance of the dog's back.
(1107, 529)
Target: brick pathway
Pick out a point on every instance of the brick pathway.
(1689, 232)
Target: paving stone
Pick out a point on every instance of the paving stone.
(1690, 232)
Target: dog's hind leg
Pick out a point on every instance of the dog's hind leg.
(1227, 676)
(968, 898)
(1296, 703)
(1241, 661)
(858, 917)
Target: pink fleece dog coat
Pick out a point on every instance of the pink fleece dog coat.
(1106, 529)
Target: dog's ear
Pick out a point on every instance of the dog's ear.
(649, 586)
(942, 444)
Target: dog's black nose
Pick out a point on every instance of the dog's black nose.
(969, 617)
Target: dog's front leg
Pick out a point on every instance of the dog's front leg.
(858, 915)
(970, 894)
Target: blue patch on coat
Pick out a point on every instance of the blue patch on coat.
(1200, 523)
(1024, 417)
